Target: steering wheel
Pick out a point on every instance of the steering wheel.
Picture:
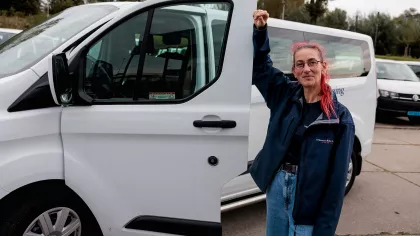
(101, 77)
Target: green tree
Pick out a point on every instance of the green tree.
(316, 9)
(409, 32)
(381, 28)
(57, 6)
(298, 15)
(25, 6)
(275, 7)
(335, 19)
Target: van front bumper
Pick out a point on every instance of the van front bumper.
(397, 107)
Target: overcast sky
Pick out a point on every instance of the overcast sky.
(393, 7)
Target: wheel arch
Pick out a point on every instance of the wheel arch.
(18, 195)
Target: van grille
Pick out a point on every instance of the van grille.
(403, 96)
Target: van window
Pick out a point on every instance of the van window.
(416, 69)
(175, 64)
(346, 57)
(34, 44)
(218, 28)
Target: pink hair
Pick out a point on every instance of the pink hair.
(326, 97)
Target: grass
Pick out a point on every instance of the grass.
(20, 22)
(397, 58)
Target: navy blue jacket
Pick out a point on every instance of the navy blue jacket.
(325, 152)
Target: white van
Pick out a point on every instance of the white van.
(399, 90)
(143, 113)
(351, 60)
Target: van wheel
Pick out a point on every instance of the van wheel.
(57, 214)
(351, 173)
(414, 119)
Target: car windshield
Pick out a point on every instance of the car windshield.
(4, 36)
(395, 71)
(32, 45)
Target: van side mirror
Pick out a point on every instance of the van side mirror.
(59, 79)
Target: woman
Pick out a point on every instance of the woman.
(303, 164)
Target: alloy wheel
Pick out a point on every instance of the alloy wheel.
(61, 221)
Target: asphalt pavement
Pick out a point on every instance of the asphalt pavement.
(384, 200)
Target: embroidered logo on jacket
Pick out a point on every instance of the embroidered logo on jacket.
(325, 141)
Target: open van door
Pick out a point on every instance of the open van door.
(150, 136)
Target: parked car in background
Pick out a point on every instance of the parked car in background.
(399, 90)
(6, 34)
(415, 66)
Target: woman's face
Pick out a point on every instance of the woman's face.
(309, 67)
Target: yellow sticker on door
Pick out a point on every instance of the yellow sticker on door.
(162, 95)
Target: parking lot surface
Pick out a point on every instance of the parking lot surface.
(385, 199)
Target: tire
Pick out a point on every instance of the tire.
(351, 175)
(414, 119)
(25, 214)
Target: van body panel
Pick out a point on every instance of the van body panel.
(11, 88)
(3, 193)
(404, 87)
(38, 131)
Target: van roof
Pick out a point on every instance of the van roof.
(388, 60)
(317, 29)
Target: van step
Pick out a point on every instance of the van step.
(244, 202)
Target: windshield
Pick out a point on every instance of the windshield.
(34, 44)
(4, 36)
(395, 71)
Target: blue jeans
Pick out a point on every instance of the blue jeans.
(280, 200)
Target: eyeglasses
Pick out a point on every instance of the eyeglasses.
(311, 63)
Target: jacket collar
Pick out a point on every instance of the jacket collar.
(323, 118)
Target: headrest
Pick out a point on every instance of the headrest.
(150, 47)
(173, 38)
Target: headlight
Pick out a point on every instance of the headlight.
(386, 94)
(394, 95)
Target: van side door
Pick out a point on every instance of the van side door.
(160, 134)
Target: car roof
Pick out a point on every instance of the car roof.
(116, 4)
(7, 30)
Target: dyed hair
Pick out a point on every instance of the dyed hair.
(326, 97)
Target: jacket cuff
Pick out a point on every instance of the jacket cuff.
(260, 29)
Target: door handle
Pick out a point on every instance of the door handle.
(224, 124)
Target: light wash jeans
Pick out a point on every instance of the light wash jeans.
(280, 200)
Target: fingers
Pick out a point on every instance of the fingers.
(260, 13)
